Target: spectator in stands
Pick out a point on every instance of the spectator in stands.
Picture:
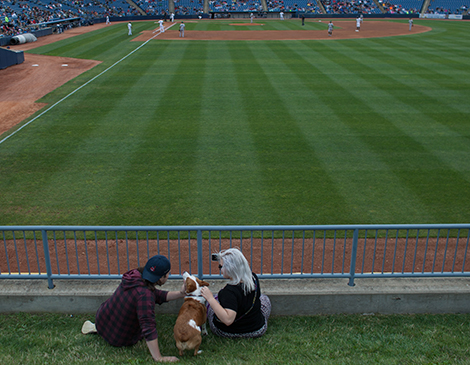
(351, 7)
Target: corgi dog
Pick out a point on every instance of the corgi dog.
(191, 321)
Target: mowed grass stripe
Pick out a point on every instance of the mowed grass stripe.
(297, 184)
(435, 87)
(345, 93)
(454, 32)
(229, 184)
(403, 162)
(85, 147)
(107, 49)
(450, 62)
(44, 150)
(89, 45)
(409, 161)
(358, 173)
(436, 124)
(417, 91)
(74, 170)
(442, 79)
(160, 177)
(98, 167)
(40, 151)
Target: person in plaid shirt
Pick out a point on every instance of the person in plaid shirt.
(129, 314)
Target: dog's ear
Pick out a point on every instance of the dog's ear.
(190, 285)
(202, 283)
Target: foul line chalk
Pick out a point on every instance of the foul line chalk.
(85, 84)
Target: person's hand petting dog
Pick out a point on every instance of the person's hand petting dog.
(206, 293)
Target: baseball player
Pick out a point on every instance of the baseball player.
(410, 22)
(162, 28)
(358, 23)
(129, 27)
(182, 29)
(330, 28)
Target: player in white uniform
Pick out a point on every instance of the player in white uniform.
(358, 23)
(162, 28)
(281, 14)
(129, 27)
(182, 29)
(410, 22)
(172, 17)
(330, 28)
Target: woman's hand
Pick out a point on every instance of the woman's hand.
(206, 293)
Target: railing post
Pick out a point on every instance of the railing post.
(352, 269)
(47, 258)
(199, 254)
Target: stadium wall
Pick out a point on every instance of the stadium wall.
(5, 41)
(235, 14)
(10, 58)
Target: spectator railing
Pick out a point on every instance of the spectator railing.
(274, 252)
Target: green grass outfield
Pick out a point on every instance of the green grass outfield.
(249, 132)
(55, 339)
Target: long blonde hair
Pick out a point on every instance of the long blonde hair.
(237, 268)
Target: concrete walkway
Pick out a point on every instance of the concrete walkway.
(288, 297)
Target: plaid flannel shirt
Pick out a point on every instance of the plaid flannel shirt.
(129, 314)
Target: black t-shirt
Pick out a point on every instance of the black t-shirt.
(232, 297)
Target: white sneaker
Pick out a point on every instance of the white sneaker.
(88, 327)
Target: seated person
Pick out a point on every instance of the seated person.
(240, 310)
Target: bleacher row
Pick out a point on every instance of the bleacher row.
(19, 16)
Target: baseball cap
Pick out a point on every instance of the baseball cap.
(155, 268)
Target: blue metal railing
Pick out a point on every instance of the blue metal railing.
(330, 251)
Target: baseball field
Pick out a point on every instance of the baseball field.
(357, 128)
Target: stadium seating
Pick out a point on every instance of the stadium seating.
(402, 6)
(448, 6)
(351, 7)
(24, 15)
(189, 7)
(153, 7)
(301, 6)
(239, 5)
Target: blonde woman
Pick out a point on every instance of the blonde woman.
(239, 310)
